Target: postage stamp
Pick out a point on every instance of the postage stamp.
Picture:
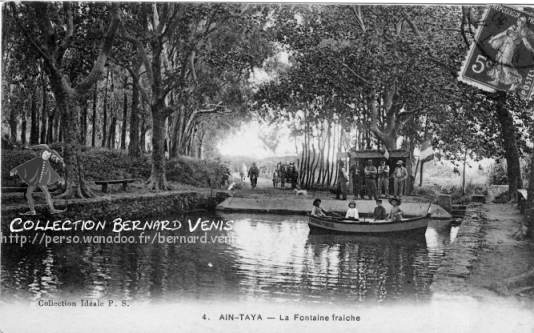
(501, 57)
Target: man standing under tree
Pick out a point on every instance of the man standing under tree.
(356, 180)
(399, 179)
(370, 179)
(253, 173)
(383, 178)
(342, 182)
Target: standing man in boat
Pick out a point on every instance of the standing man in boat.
(370, 173)
(342, 181)
(383, 178)
(400, 174)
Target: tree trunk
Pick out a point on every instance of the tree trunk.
(13, 123)
(133, 147)
(110, 144)
(105, 115)
(142, 137)
(34, 119)
(23, 128)
(511, 152)
(158, 178)
(124, 120)
(530, 197)
(83, 134)
(44, 113)
(93, 132)
(50, 130)
(69, 106)
(463, 172)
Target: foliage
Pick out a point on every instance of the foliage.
(102, 164)
(370, 65)
(498, 174)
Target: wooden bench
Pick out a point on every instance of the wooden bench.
(105, 183)
(16, 189)
(522, 196)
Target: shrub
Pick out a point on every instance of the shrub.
(101, 164)
(498, 174)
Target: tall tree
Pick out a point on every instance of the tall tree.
(58, 32)
(178, 49)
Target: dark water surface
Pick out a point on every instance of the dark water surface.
(266, 257)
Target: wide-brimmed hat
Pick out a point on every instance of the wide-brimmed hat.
(352, 202)
(395, 199)
(399, 162)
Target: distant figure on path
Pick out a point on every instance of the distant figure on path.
(380, 212)
(370, 173)
(38, 172)
(342, 182)
(399, 179)
(352, 212)
(395, 213)
(253, 174)
(316, 209)
(383, 178)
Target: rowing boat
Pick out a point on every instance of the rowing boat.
(368, 226)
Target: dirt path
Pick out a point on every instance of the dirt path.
(503, 257)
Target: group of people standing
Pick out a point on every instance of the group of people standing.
(372, 181)
(285, 173)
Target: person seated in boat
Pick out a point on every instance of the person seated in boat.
(317, 210)
(352, 212)
(395, 213)
(380, 212)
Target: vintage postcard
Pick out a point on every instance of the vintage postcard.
(266, 167)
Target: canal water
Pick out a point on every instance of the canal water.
(260, 257)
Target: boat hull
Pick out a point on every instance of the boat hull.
(331, 225)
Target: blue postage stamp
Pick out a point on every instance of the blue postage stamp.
(501, 57)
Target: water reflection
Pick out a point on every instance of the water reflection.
(270, 257)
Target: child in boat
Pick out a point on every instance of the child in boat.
(352, 212)
(395, 214)
(380, 212)
(317, 210)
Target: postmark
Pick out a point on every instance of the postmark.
(501, 57)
